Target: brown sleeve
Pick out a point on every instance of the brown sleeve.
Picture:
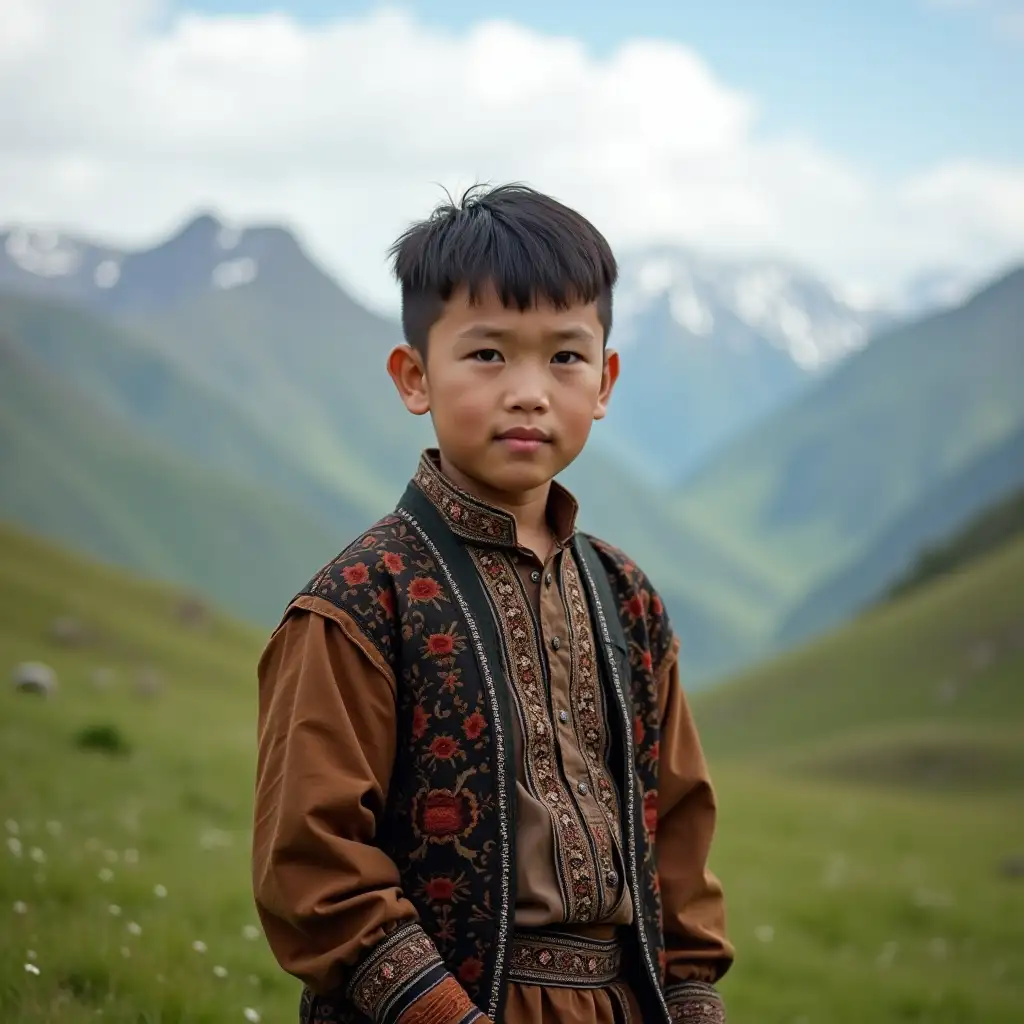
(329, 900)
(697, 950)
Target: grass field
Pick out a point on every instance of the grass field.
(871, 788)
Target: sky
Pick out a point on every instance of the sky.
(869, 141)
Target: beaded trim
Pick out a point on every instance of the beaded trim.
(694, 1001)
(563, 961)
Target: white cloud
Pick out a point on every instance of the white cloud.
(123, 121)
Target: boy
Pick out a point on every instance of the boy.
(480, 794)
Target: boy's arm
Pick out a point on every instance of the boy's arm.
(330, 901)
(697, 950)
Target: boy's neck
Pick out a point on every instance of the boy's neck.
(528, 508)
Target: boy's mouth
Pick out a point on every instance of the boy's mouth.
(524, 439)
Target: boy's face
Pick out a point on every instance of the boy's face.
(512, 394)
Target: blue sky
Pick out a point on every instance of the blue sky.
(890, 85)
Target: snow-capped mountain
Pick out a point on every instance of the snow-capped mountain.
(205, 255)
(780, 304)
(711, 346)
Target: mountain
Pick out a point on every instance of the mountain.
(712, 347)
(933, 517)
(280, 380)
(158, 399)
(205, 255)
(75, 472)
(810, 489)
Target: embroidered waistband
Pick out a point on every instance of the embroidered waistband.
(563, 960)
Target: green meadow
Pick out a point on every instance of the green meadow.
(871, 789)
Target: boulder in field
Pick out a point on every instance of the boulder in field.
(34, 677)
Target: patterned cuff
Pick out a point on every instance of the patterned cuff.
(694, 1001)
(397, 973)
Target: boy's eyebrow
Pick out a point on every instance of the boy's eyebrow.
(490, 332)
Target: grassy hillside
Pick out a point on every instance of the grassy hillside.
(74, 473)
(852, 898)
(939, 512)
(809, 490)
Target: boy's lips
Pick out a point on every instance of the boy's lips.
(524, 439)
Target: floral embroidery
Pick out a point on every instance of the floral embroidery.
(577, 874)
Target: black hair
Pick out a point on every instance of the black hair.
(526, 245)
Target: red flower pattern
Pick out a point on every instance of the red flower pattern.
(470, 970)
(423, 589)
(474, 725)
(440, 890)
(440, 645)
(419, 721)
(444, 747)
(394, 563)
(356, 575)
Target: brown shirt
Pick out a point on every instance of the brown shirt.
(327, 740)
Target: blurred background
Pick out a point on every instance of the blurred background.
(816, 448)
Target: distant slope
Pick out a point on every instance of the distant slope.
(74, 473)
(996, 527)
(810, 489)
(928, 683)
(938, 513)
(156, 396)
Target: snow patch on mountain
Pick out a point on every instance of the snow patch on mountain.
(43, 252)
(788, 308)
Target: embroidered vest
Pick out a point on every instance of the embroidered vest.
(413, 589)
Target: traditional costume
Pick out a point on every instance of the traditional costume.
(480, 790)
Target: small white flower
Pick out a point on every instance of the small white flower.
(54, 828)
(125, 952)
(253, 980)
(251, 1015)
(12, 826)
(38, 855)
(250, 932)
(764, 933)
(199, 946)
(30, 954)
(159, 891)
(20, 907)
(32, 969)
(14, 845)
(131, 856)
(115, 910)
(220, 972)
(106, 875)
(110, 856)
(134, 928)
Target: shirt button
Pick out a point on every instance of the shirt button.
(582, 788)
(535, 576)
(549, 579)
(555, 643)
(563, 716)
(612, 878)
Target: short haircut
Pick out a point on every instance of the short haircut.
(525, 244)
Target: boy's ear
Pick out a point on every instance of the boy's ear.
(409, 372)
(609, 376)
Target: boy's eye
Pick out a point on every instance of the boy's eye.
(565, 358)
(487, 355)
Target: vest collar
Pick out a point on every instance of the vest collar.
(479, 521)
